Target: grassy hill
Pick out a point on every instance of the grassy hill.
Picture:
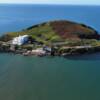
(56, 31)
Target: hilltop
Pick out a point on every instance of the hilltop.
(56, 31)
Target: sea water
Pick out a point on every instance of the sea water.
(48, 78)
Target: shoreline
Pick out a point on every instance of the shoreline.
(69, 51)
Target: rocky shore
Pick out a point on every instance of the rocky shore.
(64, 51)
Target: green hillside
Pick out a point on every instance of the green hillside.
(56, 31)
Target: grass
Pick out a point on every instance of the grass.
(48, 33)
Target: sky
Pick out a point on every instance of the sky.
(73, 2)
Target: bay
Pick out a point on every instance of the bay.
(48, 78)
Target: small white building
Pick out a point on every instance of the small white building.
(20, 40)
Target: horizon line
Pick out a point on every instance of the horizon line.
(51, 4)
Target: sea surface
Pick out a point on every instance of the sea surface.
(48, 78)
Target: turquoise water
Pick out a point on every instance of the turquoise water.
(48, 78)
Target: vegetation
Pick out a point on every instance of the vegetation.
(65, 32)
(27, 47)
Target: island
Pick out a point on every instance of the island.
(54, 38)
